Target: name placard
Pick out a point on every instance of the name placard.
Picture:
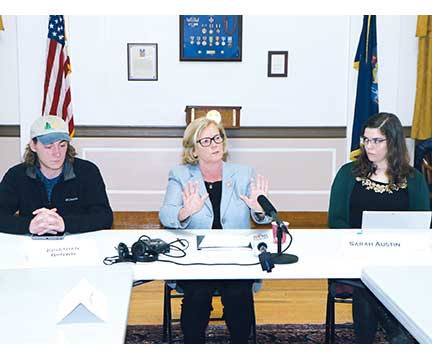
(388, 247)
(64, 251)
(61, 252)
(374, 244)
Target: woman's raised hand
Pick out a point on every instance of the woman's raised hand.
(260, 187)
(192, 201)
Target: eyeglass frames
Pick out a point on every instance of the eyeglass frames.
(375, 141)
(206, 141)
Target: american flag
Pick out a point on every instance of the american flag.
(57, 93)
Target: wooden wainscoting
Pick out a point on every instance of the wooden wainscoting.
(278, 302)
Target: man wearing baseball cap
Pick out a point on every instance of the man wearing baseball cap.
(53, 191)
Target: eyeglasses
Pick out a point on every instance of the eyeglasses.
(366, 141)
(206, 141)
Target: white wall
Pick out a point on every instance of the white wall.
(9, 106)
(319, 89)
(265, 101)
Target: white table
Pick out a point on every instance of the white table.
(407, 293)
(31, 303)
(322, 253)
(26, 268)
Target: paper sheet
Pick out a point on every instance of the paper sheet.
(231, 240)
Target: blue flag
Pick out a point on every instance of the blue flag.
(366, 62)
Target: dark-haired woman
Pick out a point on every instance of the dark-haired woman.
(381, 179)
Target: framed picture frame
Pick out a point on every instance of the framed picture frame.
(211, 37)
(277, 64)
(142, 61)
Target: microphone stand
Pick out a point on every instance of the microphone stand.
(280, 258)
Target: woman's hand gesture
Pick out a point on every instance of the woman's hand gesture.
(192, 201)
(256, 189)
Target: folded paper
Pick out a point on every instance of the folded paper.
(83, 304)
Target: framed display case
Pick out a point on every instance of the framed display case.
(210, 37)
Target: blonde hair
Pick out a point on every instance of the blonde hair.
(31, 158)
(191, 135)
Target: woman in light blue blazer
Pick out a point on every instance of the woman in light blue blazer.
(208, 193)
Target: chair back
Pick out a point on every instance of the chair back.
(341, 291)
(426, 168)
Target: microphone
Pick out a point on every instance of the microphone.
(270, 210)
(262, 247)
(266, 261)
(279, 257)
(259, 249)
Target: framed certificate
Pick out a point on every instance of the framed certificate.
(210, 37)
(142, 62)
(277, 64)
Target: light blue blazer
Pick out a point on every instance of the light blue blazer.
(234, 212)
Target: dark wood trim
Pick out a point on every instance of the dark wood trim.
(129, 131)
(287, 132)
(9, 131)
(254, 132)
(243, 132)
(407, 131)
(150, 220)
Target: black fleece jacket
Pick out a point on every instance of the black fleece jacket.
(80, 198)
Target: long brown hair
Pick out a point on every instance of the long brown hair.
(31, 158)
(397, 153)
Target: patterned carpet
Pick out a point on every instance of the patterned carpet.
(266, 334)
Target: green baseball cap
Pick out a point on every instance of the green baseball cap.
(49, 129)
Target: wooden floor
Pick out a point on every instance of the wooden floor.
(278, 302)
